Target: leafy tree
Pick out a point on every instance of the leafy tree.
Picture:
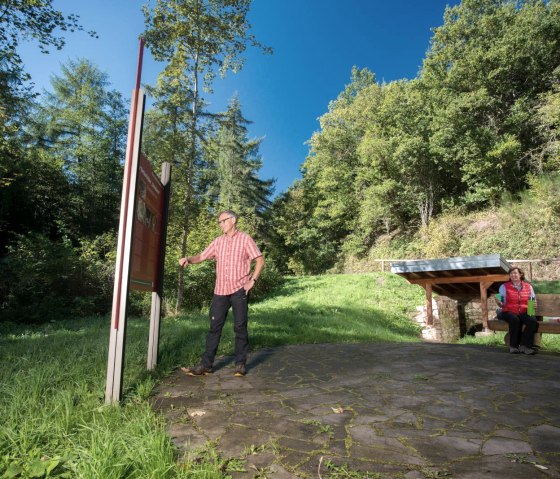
(23, 20)
(300, 245)
(547, 157)
(331, 169)
(197, 39)
(489, 62)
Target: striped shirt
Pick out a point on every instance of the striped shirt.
(233, 261)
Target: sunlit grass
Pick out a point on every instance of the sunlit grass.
(332, 309)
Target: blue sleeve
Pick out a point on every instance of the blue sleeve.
(502, 292)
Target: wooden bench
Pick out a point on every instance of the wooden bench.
(547, 305)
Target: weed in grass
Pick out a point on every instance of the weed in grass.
(435, 474)
(348, 442)
(235, 465)
(252, 449)
(343, 471)
(311, 422)
(326, 429)
(261, 472)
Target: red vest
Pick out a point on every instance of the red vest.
(516, 301)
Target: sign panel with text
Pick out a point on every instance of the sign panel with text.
(146, 237)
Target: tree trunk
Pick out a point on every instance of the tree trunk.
(190, 169)
(426, 206)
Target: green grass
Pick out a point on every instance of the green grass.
(546, 287)
(334, 309)
(53, 421)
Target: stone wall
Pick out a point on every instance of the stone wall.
(452, 319)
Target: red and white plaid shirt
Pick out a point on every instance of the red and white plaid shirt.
(233, 261)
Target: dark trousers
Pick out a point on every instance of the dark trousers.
(218, 314)
(517, 334)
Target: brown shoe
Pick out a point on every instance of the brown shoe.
(198, 370)
(239, 370)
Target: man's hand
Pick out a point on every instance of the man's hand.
(248, 286)
(183, 262)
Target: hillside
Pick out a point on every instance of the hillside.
(524, 227)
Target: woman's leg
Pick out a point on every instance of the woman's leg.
(514, 329)
(531, 327)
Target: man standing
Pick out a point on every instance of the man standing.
(234, 252)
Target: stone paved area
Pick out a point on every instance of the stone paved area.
(374, 411)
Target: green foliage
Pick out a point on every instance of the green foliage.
(33, 195)
(23, 20)
(42, 280)
(299, 246)
(492, 60)
(37, 277)
(524, 227)
(548, 117)
(59, 197)
(216, 35)
(82, 126)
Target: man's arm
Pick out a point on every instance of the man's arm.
(190, 260)
(208, 253)
(259, 265)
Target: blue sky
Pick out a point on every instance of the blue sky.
(316, 43)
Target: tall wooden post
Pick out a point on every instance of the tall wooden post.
(115, 365)
(155, 315)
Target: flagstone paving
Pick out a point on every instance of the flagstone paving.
(413, 410)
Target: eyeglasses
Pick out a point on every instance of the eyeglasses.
(225, 219)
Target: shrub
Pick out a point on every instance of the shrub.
(38, 277)
(43, 279)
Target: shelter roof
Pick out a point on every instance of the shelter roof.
(458, 277)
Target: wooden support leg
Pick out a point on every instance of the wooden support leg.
(484, 303)
(429, 310)
(538, 336)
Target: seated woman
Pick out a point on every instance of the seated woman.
(515, 295)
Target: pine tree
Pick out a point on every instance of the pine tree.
(237, 165)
